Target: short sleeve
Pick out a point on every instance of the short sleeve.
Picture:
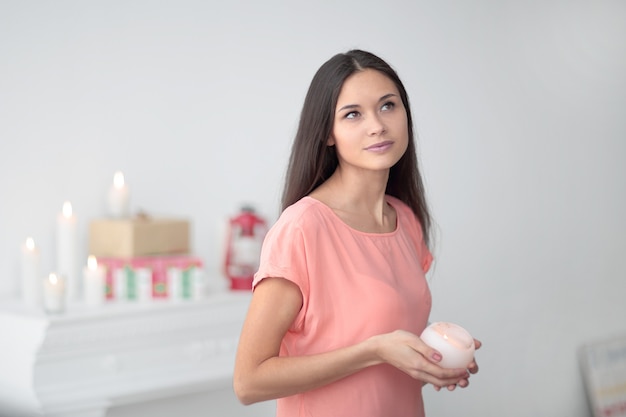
(283, 255)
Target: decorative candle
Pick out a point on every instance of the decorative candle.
(199, 286)
(119, 197)
(67, 250)
(54, 293)
(120, 283)
(94, 282)
(454, 343)
(144, 284)
(174, 283)
(31, 274)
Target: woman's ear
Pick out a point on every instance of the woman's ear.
(330, 141)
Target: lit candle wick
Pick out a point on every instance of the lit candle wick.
(118, 180)
(30, 244)
(67, 209)
(453, 341)
(53, 279)
(92, 263)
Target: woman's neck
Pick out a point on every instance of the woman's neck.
(358, 200)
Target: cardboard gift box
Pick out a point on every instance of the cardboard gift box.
(127, 238)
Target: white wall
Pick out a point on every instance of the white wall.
(519, 107)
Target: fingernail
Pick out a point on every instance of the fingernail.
(436, 356)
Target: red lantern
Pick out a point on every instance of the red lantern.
(243, 248)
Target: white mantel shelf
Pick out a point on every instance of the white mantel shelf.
(86, 360)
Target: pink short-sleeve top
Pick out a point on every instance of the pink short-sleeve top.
(354, 285)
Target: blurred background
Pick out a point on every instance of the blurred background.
(519, 107)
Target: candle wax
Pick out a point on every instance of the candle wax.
(31, 274)
(119, 197)
(94, 283)
(54, 293)
(67, 251)
(454, 343)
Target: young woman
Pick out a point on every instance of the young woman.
(340, 297)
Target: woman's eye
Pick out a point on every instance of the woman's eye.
(352, 115)
(388, 106)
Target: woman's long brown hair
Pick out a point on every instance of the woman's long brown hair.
(312, 161)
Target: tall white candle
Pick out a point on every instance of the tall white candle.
(31, 274)
(119, 197)
(54, 293)
(67, 251)
(455, 344)
(94, 282)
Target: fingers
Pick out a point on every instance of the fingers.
(473, 367)
(447, 378)
(410, 354)
(477, 344)
(440, 377)
(426, 351)
(463, 382)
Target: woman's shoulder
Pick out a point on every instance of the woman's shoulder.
(301, 209)
(305, 212)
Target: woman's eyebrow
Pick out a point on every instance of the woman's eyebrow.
(348, 106)
(386, 96)
(355, 106)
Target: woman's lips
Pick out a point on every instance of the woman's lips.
(380, 147)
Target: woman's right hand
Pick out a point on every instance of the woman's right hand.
(407, 352)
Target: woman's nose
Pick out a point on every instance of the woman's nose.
(376, 126)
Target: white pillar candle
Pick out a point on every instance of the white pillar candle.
(31, 274)
(119, 197)
(199, 286)
(174, 283)
(67, 251)
(143, 281)
(94, 282)
(454, 343)
(54, 293)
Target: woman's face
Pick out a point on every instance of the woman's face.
(370, 130)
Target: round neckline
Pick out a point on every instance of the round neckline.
(352, 229)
